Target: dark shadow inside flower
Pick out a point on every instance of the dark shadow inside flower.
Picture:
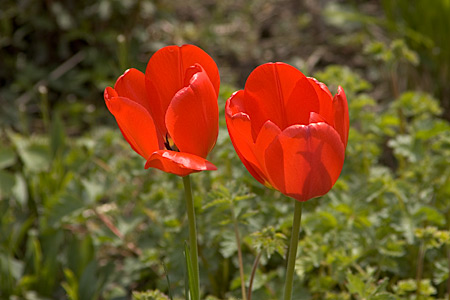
(169, 143)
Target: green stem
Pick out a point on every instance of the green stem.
(420, 258)
(252, 276)
(192, 228)
(293, 251)
(448, 279)
(238, 242)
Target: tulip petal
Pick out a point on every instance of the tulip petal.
(325, 99)
(267, 92)
(135, 122)
(131, 85)
(192, 117)
(109, 94)
(240, 131)
(315, 118)
(164, 76)
(269, 131)
(178, 163)
(301, 102)
(340, 112)
(193, 55)
(304, 162)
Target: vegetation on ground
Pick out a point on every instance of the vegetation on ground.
(81, 219)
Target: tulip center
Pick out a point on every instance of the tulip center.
(170, 145)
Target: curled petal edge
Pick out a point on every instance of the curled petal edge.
(178, 163)
(341, 117)
(192, 117)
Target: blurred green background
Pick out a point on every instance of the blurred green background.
(80, 218)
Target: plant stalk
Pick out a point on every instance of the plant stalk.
(448, 279)
(420, 259)
(252, 276)
(238, 242)
(293, 250)
(192, 228)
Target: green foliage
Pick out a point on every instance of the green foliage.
(150, 295)
(80, 217)
(425, 32)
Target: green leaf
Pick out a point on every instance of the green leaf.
(228, 246)
(383, 296)
(70, 285)
(405, 286)
(355, 284)
(430, 214)
(20, 190)
(269, 241)
(57, 135)
(432, 128)
(88, 284)
(94, 190)
(7, 157)
(67, 204)
(149, 295)
(36, 157)
(217, 202)
(7, 181)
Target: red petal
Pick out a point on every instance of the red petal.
(192, 117)
(340, 111)
(315, 118)
(240, 131)
(269, 131)
(165, 76)
(192, 55)
(178, 163)
(108, 95)
(325, 99)
(305, 161)
(301, 102)
(131, 85)
(135, 122)
(267, 91)
(235, 104)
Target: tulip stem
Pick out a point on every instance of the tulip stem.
(293, 251)
(192, 229)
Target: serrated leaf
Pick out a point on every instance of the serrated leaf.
(228, 246)
(383, 296)
(217, 202)
(355, 284)
(243, 197)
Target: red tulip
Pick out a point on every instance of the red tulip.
(289, 131)
(170, 115)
